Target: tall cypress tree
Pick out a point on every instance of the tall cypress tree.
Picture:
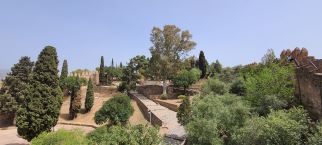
(75, 100)
(64, 73)
(102, 77)
(41, 107)
(202, 64)
(89, 100)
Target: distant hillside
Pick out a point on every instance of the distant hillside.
(3, 73)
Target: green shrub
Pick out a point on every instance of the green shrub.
(215, 116)
(125, 135)
(164, 97)
(284, 127)
(238, 87)
(214, 86)
(60, 137)
(270, 80)
(316, 138)
(186, 78)
(116, 110)
(181, 97)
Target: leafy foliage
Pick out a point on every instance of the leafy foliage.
(8, 104)
(41, 106)
(216, 117)
(238, 87)
(270, 80)
(71, 81)
(186, 78)
(169, 45)
(283, 127)
(116, 110)
(89, 100)
(133, 71)
(184, 111)
(214, 86)
(316, 139)
(134, 135)
(61, 137)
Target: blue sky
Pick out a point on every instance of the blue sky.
(235, 32)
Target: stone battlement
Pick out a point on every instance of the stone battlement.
(308, 86)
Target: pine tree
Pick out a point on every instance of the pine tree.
(89, 100)
(202, 64)
(102, 76)
(8, 106)
(17, 82)
(16, 87)
(184, 111)
(64, 73)
(75, 100)
(41, 106)
(121, 65)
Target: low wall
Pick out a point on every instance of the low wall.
(105, 89)
(144, 109)
(154, 91)
(172, 107)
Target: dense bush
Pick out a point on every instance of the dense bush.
(216, 117)
(316, 138)
(116, 110)
(267, 81)
(285, 127)
(214, 86)
(70, 81)
(61, 137)
(238, 87)
(125, 135)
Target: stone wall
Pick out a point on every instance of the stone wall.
(104, 89)
(144, 109)
(88, 75)
(308, 87)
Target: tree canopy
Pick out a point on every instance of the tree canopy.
(169, 45)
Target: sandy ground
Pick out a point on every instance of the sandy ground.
(11, 137)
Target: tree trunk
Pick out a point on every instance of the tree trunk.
(164, 85)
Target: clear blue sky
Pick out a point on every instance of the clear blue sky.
(233, 31)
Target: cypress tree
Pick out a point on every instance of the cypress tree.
(184, 111)
(112, 65)
(41, 106)
(218, 67)
(202, 64)
(64, 73)
(102, 76)
(75, 100)
(89, 100)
